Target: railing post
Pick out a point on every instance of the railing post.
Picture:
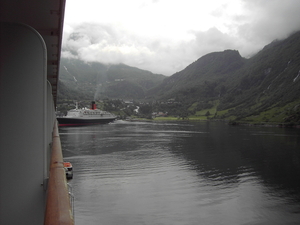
(58, 208)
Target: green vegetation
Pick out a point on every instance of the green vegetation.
(79, 80)
(221, 86)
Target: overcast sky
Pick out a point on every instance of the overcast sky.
(165, 36)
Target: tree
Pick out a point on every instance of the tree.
(207, 113)
(145, 109)
(184, 114)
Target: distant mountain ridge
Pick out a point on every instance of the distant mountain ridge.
(269, 82)
(80, 80)
(192, 80)
(265, 87)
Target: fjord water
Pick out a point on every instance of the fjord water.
(184, 173)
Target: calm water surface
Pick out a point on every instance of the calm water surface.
(134, 173)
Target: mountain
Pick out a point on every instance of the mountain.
(263, 87)
(221, 85)
(269, 81)
(198, 80)
(80, 80)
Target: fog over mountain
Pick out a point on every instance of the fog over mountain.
(165, 36)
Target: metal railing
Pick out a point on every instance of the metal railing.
(72, 199)
(58, 207)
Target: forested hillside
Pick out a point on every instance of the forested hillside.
(202, 79)
(223, 85)
(79, 80)
(265, 87)
(268, 84)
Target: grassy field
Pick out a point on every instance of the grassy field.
(275, 115)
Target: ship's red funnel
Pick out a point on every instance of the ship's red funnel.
(94, 105)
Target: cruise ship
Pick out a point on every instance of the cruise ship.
(85, 116)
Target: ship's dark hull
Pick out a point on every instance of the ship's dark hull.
(64, 121)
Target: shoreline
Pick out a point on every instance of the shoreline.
(231, 123)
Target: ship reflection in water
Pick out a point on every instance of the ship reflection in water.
(184, 173)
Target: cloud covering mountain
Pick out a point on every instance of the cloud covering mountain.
(165, 36)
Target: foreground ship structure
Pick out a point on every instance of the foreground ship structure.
(84, 117)
(33, 185)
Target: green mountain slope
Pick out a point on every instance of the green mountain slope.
(268, 80)
(220, 85)
(80, 80)
(201, 79)
(243, 89)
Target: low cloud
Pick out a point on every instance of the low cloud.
(102, 43)
(266, 21)
(260, 23)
